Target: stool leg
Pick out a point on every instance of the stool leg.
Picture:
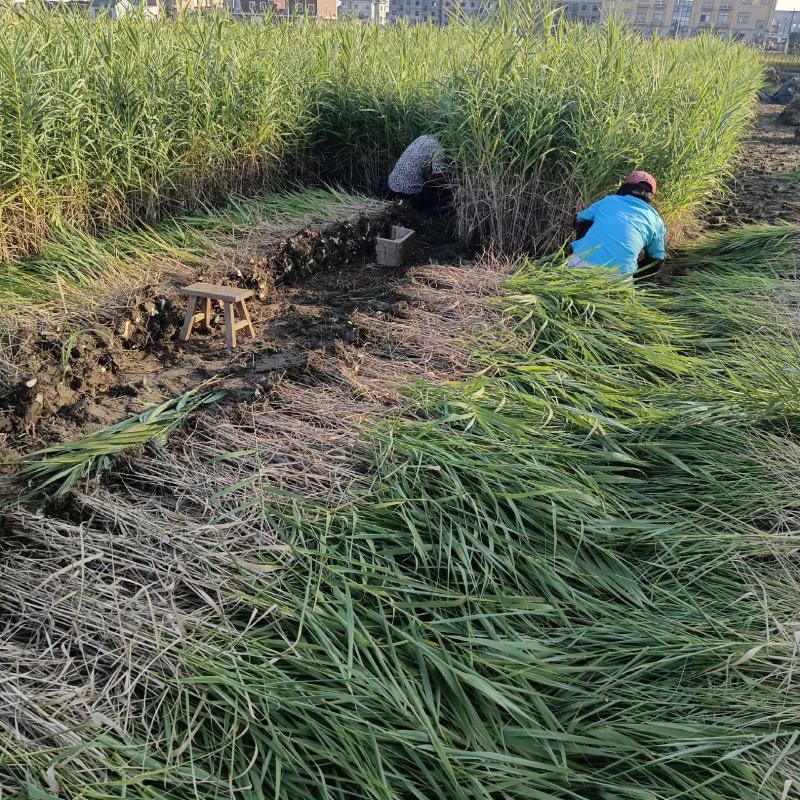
(245, 314)
(230, 333)
(207, 310)
(186, 331)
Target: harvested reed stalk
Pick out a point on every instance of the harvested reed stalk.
(55, 470)
(553, 579)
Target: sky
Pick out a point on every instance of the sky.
(787, 5)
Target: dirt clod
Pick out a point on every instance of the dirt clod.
(791, 113)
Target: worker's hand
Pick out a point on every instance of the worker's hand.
(650, 269)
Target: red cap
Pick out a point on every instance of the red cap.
(642, 177)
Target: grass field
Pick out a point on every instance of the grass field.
(572, 575)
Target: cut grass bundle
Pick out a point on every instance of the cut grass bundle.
(54, 471)
(530, 602)
(762, 249)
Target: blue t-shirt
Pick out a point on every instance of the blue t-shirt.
(622, 227)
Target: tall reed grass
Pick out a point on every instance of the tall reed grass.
(104, 122)
(107, 122)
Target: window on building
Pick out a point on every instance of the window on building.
(681, 15)
(747, 2)
(262, 6)
(658, 17)
(705, 16)
(760, 25)
(743, 19)
(723, 18)
(641, 16)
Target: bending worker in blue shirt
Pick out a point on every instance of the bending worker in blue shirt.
(614, 231)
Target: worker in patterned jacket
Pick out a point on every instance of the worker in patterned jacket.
(419, 177)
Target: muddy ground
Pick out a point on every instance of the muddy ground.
(760, 193)
(76, 375)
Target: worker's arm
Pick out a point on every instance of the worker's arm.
(648, 268)
(653, 258)
(582, 227)
(654, 249)
(438, 183)
(583, 221)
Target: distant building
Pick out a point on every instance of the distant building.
(416, 11)
(741, 20)
(116, 9)
(576, 11)
(785, 22)
(373, 12)
(259, 10)
(55, 5)
(173, 8)
(439, 12)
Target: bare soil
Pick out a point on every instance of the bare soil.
(759, 193)
(77, 375)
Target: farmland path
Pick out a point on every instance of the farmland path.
(761, 192)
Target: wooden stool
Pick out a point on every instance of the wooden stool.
(232, 300)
